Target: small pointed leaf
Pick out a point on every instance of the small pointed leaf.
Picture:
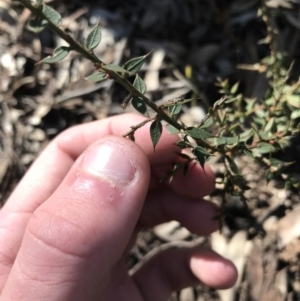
(139, 105)
(97, 77)
(234, 88)
(249, 154)
(94, 38)
(58, 54)
(201, 158)
(115, 68)
(202, 150)
(271, 126)
(264, 148)
(288, 185)
(155, 131)
(201, 155)
(171, 129)
(175, 109)
(225, 140)
(37, 25)
(140, 85)
(207, 123)
(198, 133)
(245, 136)
(230, 100)
(134, 65)
(52, 15)
(295, 114)
(181, 144)
(241, 182)
(294, 100)
(269, 176)
(232, 165)
(276, 162)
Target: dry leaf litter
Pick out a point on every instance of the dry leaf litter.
(194, 42)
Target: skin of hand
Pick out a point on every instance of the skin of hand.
(65, 230)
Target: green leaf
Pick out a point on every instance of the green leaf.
(115, 68)
(249, 154)
(245, 136)
(181, 144)
(37, 25)
(140, 85)
(234, 88)
(94, 38)
(201, 155)
(175, 109)
(276, 162)
(269, 176)
(264, 148)
(134, 65)
(202, 150)
(139, 105)
(207, 123)
(52, 15)
(198, 133)
(288, 185)
(225, 140)
(155, 131)
(232, 165)
(230, 100)
(97, 77)
(271, 126)
(259, 120)
(294, 100)
(240, 182)
(295, 114)
(264, 134)
(171, 129)
(38, 3)
(58, 54)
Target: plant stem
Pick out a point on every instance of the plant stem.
(90, 56)
(132, 90)
(74, 45)
(137, 126)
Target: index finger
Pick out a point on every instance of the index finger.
(52, 165)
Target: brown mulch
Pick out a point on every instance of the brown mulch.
(193, 43)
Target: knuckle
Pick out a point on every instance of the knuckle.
(57, 233)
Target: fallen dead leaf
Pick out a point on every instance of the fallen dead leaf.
(288, 228)
(236, 250)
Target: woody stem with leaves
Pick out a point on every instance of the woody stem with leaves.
(233, 133)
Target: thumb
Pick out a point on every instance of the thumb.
(76, 236)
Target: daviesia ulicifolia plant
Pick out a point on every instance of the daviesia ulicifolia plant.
(234, 125)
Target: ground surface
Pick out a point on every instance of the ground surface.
(194, 42)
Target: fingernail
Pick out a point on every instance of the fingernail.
(110, 162)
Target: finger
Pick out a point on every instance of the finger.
(75, 238)
(198, 216)
(177, 268)
(51, 167)
(58, 157)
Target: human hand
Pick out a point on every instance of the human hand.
(65, 230)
